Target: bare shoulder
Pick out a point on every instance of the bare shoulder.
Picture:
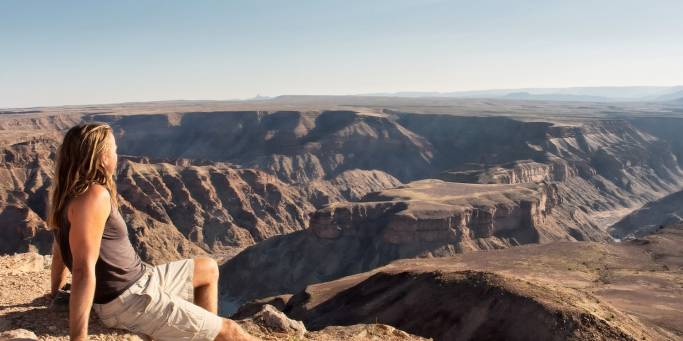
(88, 215)
(96, 200)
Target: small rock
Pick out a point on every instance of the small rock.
(18, 335)
(276, 320)
(47, 261)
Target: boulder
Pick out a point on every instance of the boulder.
(273, 319)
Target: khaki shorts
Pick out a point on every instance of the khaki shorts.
(160, 305)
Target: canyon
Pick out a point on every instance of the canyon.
(299, 191)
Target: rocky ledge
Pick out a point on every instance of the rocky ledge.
(26, 313)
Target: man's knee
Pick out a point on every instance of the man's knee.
(206, 270)
(228, 326)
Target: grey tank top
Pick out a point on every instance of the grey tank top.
(118, 265)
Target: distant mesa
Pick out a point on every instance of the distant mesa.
(258, 97)
(673, 96)
(577, 94)
(555, 97)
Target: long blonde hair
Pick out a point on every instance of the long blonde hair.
(78, 165)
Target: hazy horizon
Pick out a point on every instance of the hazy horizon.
(80, 53)
(462, 94)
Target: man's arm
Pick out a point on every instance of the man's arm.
(58, 270)
(88, 215)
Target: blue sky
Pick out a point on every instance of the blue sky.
(79, 52)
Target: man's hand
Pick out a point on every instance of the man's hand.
(59, 300)
(57, 270)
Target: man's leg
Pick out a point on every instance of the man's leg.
(188, 299)
(205, 283)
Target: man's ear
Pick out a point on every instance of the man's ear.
(104, 160)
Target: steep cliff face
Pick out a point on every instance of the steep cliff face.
(665, 211)
(216, 206)
(296, 146)
(17, 128)
(432, 212)
(513, 173)
(25, 177)
(458, 140)
(666, 129)
(350, 185)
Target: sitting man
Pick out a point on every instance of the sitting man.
(173, 301)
